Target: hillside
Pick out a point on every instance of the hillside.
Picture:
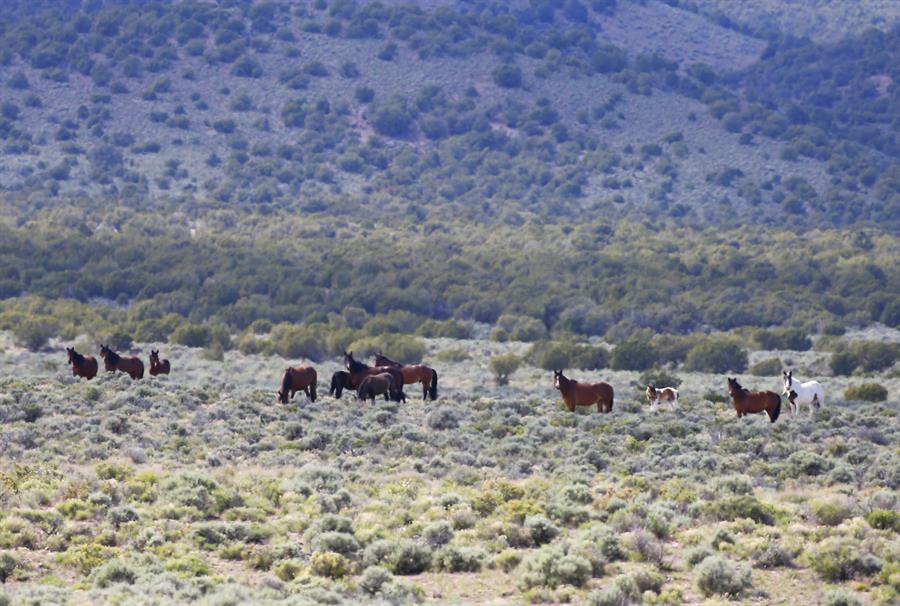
(484, 107)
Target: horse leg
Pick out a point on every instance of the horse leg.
(425, 387)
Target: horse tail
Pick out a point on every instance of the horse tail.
(432, 391)
(773, 414)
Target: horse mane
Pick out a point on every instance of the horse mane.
(356, 365)
(77, 357)
(112, 357)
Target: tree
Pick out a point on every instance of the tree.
(503, 366)
(508, 76)
(716, 356)
(633, 354)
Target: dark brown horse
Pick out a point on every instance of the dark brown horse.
(339, 382)
(302, 378)
(82, 366)
(127, 364)
(359, 371)
(583, 394)
(377, 385)
(157, 366)
(746, 402)
(414, 373)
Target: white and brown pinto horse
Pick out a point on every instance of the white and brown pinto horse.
(665, 394)
(810, 393)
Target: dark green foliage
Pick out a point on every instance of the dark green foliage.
(634, 354)
(556, 355)
(741, 506)
(870, 392)
(716, 355)
(392, 120)
(508, 76)
(869, 356)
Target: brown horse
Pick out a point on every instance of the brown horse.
(82, 366)
(157, 366)
(127, 364)
(339, 382)
(584, 394)
(380, 384)
(302, 378)
(359, 371)
(665, 394)
(746, 402)
(414, 373)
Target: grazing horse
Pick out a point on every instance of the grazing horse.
(127, 364)
(339, 382)
(667, 394)
(359, 371)
(414, 373)
(157, 366)
(811, 393)
(583, 394)
(302, 378)
(380, 384)
(746, 401)
(82, 366)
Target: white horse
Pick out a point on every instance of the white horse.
(810, 393)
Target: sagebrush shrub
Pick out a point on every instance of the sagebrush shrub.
(842, 558)
(552, 566)
(716, 575)
(400, 556)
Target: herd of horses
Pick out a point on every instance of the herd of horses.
(388, 377)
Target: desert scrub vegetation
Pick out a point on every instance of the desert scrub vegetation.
(154, 487)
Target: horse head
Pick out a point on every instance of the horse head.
(282, 396)
(557, 378)
(788, 378)
(70, 351)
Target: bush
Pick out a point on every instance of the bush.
(503, 366)
(393, 120)
(111, 573)
(438, 533)
(200, 335)
(8, 565)
(459, 559)
(841, 559)
(870, 356)
(622, 592)
(554, 355)
(805, 463)
(34, 332)
(507, 76)
(633, 354)
(841, 597)
(742, 506)
(443, 418)
(402, 348)
(716, 356)
(869, 392)
(884, 519)
(831, 512)
(401, 556)
(659, 378)
(542, 530)
(551, 566)
(716, 575)
(329, 564)
(766, 368)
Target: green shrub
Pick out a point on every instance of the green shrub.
(623, 591)
(111, 573)
(555, 355)
(552, 566)
(659, 378)
(741, 506)
(392, 120)
(841, 597)
(715, 355)
(402, 348)
(34, 332)
(717, 576)
(870, 356)
(542, 530)
(869, 392)
(831, 512)
(766, 368)
(450, 329)
(503, 366)
(633, 354)
(8, 565)
(329, 564)
(201, 335)
(842, 558)
(884, 519)
(400, 556)
(459, 559)
(507, 76)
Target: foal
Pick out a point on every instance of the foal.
(583, 394)
(667, 394)
(157, 366)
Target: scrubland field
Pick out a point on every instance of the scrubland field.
(199, 487)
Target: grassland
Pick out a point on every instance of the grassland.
(200, 488)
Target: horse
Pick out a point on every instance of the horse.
(583, 394)
(380, 384)
(746, 401)
(157, 366)
(82, 366)
(302, 378)
(414, 373)
(339, 382)
(668, 394)
(811, 393)
(127, 364)
(359, 371)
